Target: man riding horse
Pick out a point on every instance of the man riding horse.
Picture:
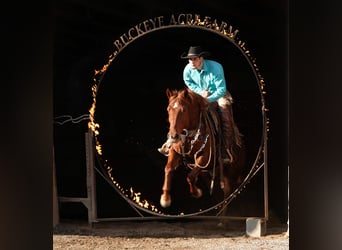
(206, 78)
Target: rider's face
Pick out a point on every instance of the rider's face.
(196, 62)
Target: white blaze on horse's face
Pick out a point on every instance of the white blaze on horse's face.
(174, 113)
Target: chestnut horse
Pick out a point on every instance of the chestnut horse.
(195, 135)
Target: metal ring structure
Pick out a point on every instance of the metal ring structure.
(180, 21)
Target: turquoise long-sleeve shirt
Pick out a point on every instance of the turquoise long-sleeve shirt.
(210, 78)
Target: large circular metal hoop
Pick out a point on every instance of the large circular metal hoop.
(224, 31)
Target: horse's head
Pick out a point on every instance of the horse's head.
(184, 111)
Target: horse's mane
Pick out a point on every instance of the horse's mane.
(187, 94)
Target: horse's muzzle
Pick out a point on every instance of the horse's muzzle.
(182, 135)
(174, 137)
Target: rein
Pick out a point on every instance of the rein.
(188, 134)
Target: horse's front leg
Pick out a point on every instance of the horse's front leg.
(172, 163)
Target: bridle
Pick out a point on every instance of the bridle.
(193, 136)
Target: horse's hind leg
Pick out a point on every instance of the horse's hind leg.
(226, 188)
(192, 180)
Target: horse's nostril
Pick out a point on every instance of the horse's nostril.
(174, 137)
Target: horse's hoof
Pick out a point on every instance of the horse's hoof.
(198, 193)
(165, 203)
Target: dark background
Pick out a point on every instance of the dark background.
(315, 39)
(138, 77)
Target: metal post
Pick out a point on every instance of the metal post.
(265, 176)
(55, 193)
(90, 201)
(257, 227)
(91, 183)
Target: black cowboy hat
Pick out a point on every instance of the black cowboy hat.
(195, 51)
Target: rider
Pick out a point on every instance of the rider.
(206, 78)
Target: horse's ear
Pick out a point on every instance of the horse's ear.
(168, 93)
(186, 91)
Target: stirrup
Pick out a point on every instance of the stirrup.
(226, 157)
(226, 160)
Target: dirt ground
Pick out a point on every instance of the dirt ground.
(166, 234)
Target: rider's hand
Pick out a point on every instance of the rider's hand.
(205, 93)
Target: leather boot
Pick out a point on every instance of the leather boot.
(230, 132)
